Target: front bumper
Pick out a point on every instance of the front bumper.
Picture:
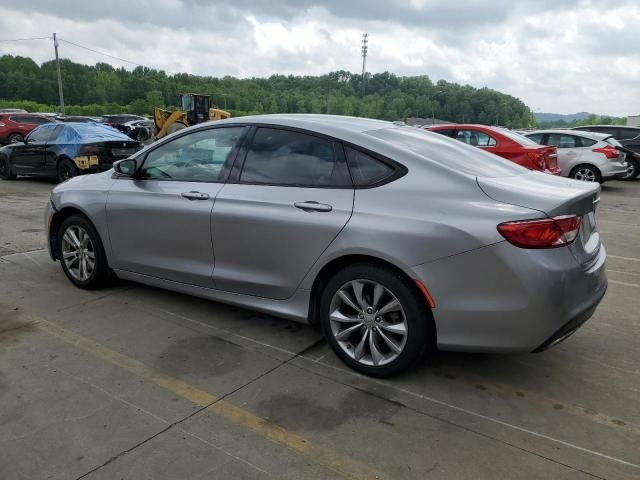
(501, 298)
(49, 212)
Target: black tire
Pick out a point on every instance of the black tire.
(67, 169)
(16, 138)
(101, 274)
(583, 168)
(6, 172)
(420, 329)
(634, 169)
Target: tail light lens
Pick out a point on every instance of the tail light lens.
(89, 150)
(537, 159)
(608, 151)
(544, 233)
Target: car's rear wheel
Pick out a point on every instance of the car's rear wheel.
(81, 253)
(16, 138)
(375, 320)
(67, 169)
(6, 172)
(586, 173)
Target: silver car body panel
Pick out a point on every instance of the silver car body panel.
(436, 223)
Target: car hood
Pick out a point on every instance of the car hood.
(546, 193)
(85, 182)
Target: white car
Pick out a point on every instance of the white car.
(586, 156)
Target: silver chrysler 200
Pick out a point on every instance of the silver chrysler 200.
(393, 239)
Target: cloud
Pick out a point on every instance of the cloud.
(565, 56)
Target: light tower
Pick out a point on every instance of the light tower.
(365, 48)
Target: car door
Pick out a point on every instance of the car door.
(29, 157)
(569, 150)
(159, 221)
(281, 209)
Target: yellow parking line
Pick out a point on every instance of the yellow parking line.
(339, 463)
(626, 284)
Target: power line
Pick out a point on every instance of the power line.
(113, 56)
(24, 39)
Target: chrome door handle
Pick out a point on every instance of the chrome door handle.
(313, 206)
(195, 195)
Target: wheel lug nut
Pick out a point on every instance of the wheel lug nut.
(369, 310)
(360, 315)
(378, 319)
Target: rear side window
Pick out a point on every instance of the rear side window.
(475, 138)
(446, 133)
(587, 142)
(365, 170)
(628, 133)
(283, 157)
(563, 141)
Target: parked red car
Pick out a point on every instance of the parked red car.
(505, 143)
(15, 126)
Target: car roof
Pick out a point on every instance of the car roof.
(608, 126)
(331, 125)
(578, 133)
(97, 132)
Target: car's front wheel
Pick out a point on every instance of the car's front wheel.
(586, 173)
(375, 319)
(67, 169)
(81, 253)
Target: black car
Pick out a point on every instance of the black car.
(81, 119)
(65, 150)
(629, 137)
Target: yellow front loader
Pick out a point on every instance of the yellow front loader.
(195, 109)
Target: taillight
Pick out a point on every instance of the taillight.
(608, 151)
(544, 233)
(537, 159)
(89, 150)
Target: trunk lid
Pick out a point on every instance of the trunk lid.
(117, 150)
(552, 196)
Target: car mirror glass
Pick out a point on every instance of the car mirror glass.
(126, 168)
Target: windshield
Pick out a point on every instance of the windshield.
(448, 152)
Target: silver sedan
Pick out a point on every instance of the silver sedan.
(393, 239)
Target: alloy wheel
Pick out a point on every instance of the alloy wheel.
(368, 322)
(585, 175)
(78, 253)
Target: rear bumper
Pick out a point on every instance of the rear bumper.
(501, 298)
(613, 170)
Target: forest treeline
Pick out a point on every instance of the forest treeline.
(101, 88)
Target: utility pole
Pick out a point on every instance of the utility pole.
(55, 46)
(365, 49)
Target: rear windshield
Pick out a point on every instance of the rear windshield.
(613, 141)
(516, 137)
(449, 152)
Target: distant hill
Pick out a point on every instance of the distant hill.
(556, 117)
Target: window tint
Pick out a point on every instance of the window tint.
(536, 137)
(628, 133)
(475, 138)
(41, 134)
(197, 157)
(56, 133)
(446, 133)
(282, 157)
(561, 140)
(587, 142)
(367, 170)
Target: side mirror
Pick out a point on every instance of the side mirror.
(126, 168)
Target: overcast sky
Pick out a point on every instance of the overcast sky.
(556, 55)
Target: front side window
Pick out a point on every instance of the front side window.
(197, 157)
(536, 137)
(283, 157)
(475, 138)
